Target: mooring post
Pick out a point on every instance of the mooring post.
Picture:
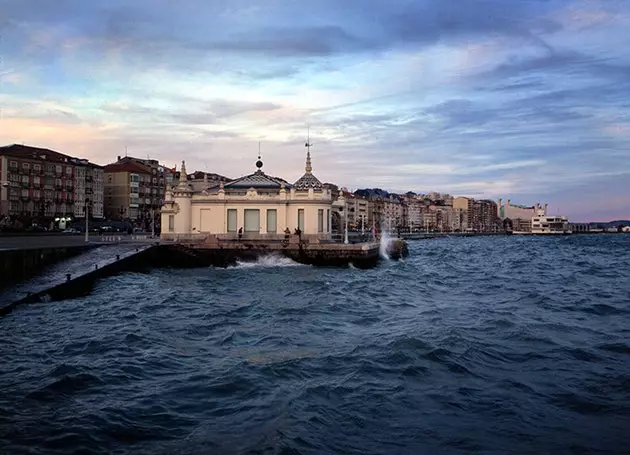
(95, 266)
(118, 257)
(68, 277)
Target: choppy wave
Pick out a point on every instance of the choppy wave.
(269, 260)
(473, 345)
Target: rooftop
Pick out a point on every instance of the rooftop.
(37, 153)
(128, 166)
(256, 180)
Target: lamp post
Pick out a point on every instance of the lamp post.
(152, 222)
(345, 238)
(87, 231)
(341, 203)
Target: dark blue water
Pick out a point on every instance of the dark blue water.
(477, 345)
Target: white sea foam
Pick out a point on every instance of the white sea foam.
(385, 240)
(267, 261)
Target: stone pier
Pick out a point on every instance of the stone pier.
(224, 251)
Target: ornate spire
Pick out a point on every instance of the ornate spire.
(308, 146)
(183, 177)
(308, 167)
(183, 185)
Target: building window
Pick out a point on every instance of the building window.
(58, 169)
(272, 220)
(320, 220)
(171, 223)
(231, 220)
(327, 220)
(252, 220)
(26, 166)
(13, 165)
(301, 219)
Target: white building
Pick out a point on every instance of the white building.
(257, 203)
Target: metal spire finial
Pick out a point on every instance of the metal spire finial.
(259, 163)
(308, 145)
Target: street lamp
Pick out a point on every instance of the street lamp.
(87, 207)
(341, 203)
(345, 237)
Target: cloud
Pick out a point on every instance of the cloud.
(482, 99)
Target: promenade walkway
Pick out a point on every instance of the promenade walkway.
(69, 270)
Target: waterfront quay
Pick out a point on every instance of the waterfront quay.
(50, 268)
(225, 250)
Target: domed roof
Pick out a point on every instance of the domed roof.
(308, 180)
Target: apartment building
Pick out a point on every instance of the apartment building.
(484, 216)
(88, 185)
(480, 216)
(200, 180)
(128, 192)
(464, 207)
(135, 189)
(459, 219)
(357, 210)
(39, 186)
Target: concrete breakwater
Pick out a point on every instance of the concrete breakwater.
(76, 276)
(17, 265)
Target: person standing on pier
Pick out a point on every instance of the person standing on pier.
(240, 233)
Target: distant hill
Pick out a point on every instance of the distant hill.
(608, 224)
(369, 193)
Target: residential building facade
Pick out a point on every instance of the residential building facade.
(127, 190)
(42, 186)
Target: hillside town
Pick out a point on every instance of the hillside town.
(45, 190)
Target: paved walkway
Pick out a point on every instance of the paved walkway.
(65, 240)
(77, 266)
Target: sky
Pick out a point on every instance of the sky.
(525, 100)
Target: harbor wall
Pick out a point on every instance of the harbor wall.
(17, 265)
(81, 285)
